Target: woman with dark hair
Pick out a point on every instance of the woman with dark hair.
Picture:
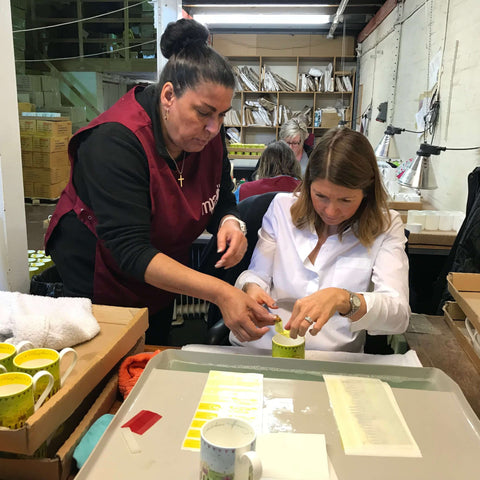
(332, 257)
(277, 171)
(148, 176)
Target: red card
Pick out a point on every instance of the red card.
(142, 421)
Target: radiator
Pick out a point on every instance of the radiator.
(187, 307)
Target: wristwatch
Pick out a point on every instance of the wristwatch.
(241, 224)
(355, 304)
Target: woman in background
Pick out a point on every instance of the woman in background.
(294, 133)
(330, 258)
(277, 171)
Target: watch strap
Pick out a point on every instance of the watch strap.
(354, 307)
(241, 223)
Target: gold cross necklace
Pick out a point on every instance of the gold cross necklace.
(180, 172)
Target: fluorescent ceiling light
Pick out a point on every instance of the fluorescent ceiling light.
(262, 19)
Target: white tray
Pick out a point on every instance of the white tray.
(295, 399)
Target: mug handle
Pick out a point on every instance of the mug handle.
(254, 461)
(72, 363)
(25, 343)
(48, 388)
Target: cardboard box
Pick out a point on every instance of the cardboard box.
(61, 464)
(465, 289)
(50, 84)
(37, 98)
(329, 120)
(54, 127)
(27, 159)
(23, 97)
(121, 328)
(26, 142)
(50, 159)
(455, 318)
(52, 98)
(75, 114)
(50, 144)
(46, 176)
(433, 237)
(28, 189)
(28, 126)
(29, 83)
(51, 192)
(25, 107)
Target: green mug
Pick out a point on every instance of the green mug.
(8, 353)
(17, 396)
(286, 347)
(37, 359)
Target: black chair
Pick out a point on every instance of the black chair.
(252, 210)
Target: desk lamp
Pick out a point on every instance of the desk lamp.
(418, 173)
(386, 149)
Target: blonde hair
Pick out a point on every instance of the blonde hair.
(345, 158)
(292, 128)
(278, 159)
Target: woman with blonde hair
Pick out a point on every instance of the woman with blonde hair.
(277, 171)
(330, 259)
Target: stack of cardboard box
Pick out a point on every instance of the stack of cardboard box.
(46, 167)
(39, 90)
(42, 93)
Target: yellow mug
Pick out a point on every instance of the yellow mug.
(37, 359)
(8, 352)
(286, 347)
(17, 399)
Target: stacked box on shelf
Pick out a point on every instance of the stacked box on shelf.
(45, 161)
(242, 150)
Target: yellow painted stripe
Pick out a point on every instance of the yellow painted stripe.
(191, 443)
(205, 415)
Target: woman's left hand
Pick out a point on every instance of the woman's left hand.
(230, 237)
(318, 308)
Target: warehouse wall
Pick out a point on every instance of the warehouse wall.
(394, 68)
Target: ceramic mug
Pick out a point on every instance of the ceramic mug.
(8, 353)
(36, 359)
(227, 450)
(17, 398)
(286, 347)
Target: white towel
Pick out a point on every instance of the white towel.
(45, 321)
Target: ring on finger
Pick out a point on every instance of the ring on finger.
(309, 320)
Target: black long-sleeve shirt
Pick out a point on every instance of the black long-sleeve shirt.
(111, 176)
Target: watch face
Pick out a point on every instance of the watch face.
(356, 301)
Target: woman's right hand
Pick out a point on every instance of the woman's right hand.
(244, 316)
(259, 294)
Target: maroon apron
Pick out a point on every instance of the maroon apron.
(178, 214)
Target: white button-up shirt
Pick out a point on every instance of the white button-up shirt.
(280, 265)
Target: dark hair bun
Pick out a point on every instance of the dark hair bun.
(180, 34)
